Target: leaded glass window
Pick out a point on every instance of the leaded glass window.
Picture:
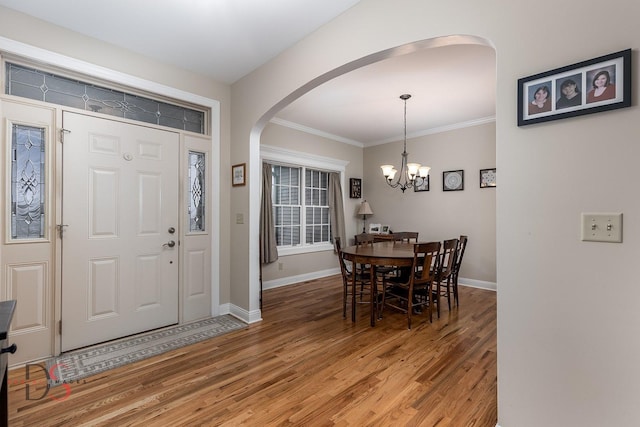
(43, 86)
(197, 191)
(27, 182)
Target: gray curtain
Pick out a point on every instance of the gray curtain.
(336, 209)
(268, 247)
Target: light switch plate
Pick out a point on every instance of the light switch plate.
(602, 227)
(239, 218)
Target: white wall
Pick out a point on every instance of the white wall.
(567, 354)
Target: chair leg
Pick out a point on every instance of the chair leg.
(455, 290)
(345, 285)
(438, 298)
(382, 298)
(449, 292)
(353, 298)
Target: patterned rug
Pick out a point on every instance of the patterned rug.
(78, 364)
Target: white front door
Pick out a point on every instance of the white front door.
(120, 216)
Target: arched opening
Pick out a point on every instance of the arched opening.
(256, 134)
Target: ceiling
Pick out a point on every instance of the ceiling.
(451, 86)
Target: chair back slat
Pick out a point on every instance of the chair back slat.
(462, 245)
(426, 261)
(449, 249)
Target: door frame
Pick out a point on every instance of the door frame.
(32, 53)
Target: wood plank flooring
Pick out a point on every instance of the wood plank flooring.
(303, 365)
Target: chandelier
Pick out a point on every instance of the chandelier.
(411, 174)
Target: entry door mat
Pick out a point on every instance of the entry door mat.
(78, 364)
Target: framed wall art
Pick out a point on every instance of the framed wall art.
(599, 84)
(238, 173)
(424, 186)
(355, 188)
(453, 180)
(487, 178)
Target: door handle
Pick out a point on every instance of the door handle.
(170, 244)
(11, 349)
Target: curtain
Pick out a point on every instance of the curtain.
(336, 208)
(268, 246)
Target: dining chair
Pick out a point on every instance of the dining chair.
(462, 245)
(362, 278)
(369, 239)
(364, 239)
(407, 236)
(414, 292)
(447, 262)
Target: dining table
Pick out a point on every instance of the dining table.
(388, 253)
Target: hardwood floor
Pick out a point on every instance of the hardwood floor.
(302, 365)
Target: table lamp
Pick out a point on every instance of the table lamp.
(364, 210)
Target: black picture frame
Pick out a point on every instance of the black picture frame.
(424, 186)
(488, 178)
(453, 180)
(355, 188)
(613, 69)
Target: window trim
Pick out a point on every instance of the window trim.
(285, 157)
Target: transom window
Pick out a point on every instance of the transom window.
(44, 86)
(288, 205)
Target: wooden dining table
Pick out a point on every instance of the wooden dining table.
(396, 254)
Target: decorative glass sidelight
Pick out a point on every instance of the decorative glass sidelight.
(27, 182)
(197, 191)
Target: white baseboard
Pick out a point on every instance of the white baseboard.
(490, 286)
(256, 315)
(270, 284)
(241, 313)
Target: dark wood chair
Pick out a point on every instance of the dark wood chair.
(447, 262)
(364, 239)
(414, 292)
(462, 245)
(406, 236)
(362, 279)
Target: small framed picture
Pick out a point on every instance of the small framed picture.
(238, 174)
(453, 180)
(374, 228)
(424, 185)
(487, 178)
(384, 229)
(355, 188)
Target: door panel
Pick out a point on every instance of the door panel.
(120, 197)
(196, 245)
(27, 265)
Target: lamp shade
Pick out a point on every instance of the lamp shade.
(365, 209)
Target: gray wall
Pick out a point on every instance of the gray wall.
(304, 266)
(436, 214)
(566, 356)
